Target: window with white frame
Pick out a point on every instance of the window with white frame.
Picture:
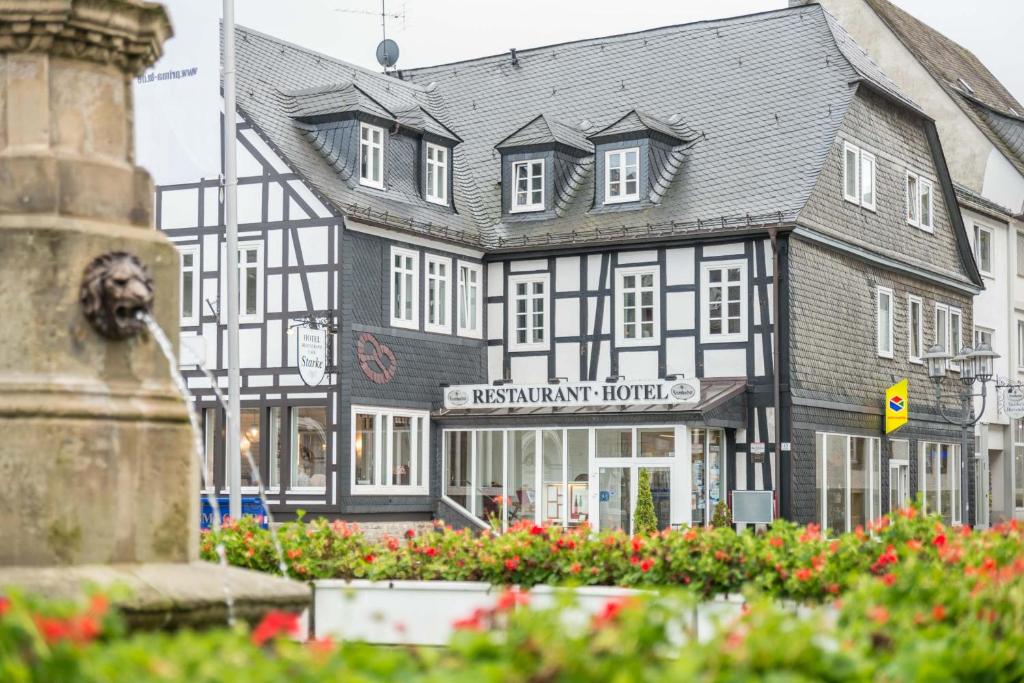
(528, 312)
(915, 328)
(250, 282)
(528, 185)
(405, 283)
(983, 249)
(470, 300)
(636, 301)
(939, 480)
(439, 300)
(1020, 344)
(437, 174)
(390, 450)
(189, 284)
(919, 201)
(1020, 253)
(982, 336)
(309, 442)
(858, 176)
(956, 340)
(723, 301)
(622, 175)
(883, 325)
(371, 156)
(848, 480)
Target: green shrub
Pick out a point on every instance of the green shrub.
(645, 521)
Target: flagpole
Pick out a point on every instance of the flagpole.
(232, 451)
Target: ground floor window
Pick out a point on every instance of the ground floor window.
(899, 474)
(848, 480)
(568, 476)
(939, 473)
(209, 447)
(308, 447)
(707, 448)
(390, 450)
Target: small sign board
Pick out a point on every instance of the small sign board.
(1015, 402)
(753, 507)
(786, 446)
(312, 352)
(573, 394)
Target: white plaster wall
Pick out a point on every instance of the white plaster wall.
(679, 266)
(567, 274)
(725, 363)
(636, 365)
(530, 369)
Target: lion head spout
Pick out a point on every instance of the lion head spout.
(116, 290)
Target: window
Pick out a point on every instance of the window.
(405, 285)
(528, 312)
(848, 480)
(858, 176)
(437, 174)
(919, 202)
(209, 446)
(250, 282)
(189, 285)
(949, 331)
(724, 301)
(983, 249)
(915, 322)
(389, 451)
(371, 156)
(439, 301)
(883, 326)
(470, 301)
(982, 336)
(1020, 254)
(939, 475)
(1020, 344)
(528, 185)
(1018, 464)
(276, 444)
(250, 444)
(622, 175)
(637, 312)
(309, 448)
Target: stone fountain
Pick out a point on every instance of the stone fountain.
(98, 481)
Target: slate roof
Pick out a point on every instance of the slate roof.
(337, 98)
(639, 122)
(987, 102)
(544, 130)
(760, 122)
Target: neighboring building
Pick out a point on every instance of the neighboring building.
(981, 126)
(549, 269)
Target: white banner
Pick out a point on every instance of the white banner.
(177, 101)
(573, 394)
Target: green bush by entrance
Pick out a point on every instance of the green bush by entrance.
(645, 521)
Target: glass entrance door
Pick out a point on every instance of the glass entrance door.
(615, 501)
(899, 484)
(707, 470)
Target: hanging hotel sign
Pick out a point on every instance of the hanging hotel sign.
(1014, 403)
(573, 394)
(312, 354)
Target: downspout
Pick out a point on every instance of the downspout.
(773, 233)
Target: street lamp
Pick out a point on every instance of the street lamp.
(976, 367)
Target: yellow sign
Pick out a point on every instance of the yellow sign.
(897, 406)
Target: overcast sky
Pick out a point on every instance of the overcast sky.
(438, 31)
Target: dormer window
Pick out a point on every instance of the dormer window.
(528, 189)
(622, 175)
(437, 174)
(371, 156)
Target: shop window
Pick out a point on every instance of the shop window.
(883, 325)
(489, 476)
(614, 443)
(848, 480)
(724, 301)
(389, 451)
(439, 302)
(458, 467)
(636, 297)
(553, 503)
(249, 441)
(189, 285)
(405, 287)
(656, 442)
(939, 474)
(915, 324)
(209, 447)
(522, 475)
(528, 318)
(470, 301)
(578, 478)
(275, 447)
(707, 470)
(309, 448)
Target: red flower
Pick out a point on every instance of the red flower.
(939, 540)
(52, 630)
(392, 543)
(634, 560)
(369, 559)
(914, 544)
(474, 622)
(889, 579)
(646, 565)
(536, 530)
(430, 551)
(878, 614)
(510, 598)
(833, 588)
(294, 553)
(721, 556)
(409, 533)
(885, 559)
(775, 542)
(276, 624)
(638, 544)
(803, 574)
(512, 564)
(610, 611)
(690, 535)
(812, 533)
(5, 605)
(321, 646)
(938, 612)
(575, 568)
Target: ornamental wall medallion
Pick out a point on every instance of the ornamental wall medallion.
(376, 360)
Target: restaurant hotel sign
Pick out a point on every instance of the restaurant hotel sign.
(573, 394)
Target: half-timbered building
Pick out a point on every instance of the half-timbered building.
(547, 270)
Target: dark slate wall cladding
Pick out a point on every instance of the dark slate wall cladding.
(897, 139)
(424, 361)
(833, 343)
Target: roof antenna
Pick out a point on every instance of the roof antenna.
(515, 59)
(387, 50)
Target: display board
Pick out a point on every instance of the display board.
(753, 507)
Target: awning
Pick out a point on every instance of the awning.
(722, 404)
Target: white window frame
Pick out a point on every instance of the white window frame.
(193, 251)
(474, 327)
(874, 460)
(396, 319)
(291, 421)
(982, 331)
(862, 157)
(383, 455)
(515, 206)
(624, 196)
(912, 334)
(705, 306)
(243, 265)
(912, 203)
(445, 310)
(1020, 345)
(923, 183)
(371, 146)
(954, 479)
(880, 343)
(978, 229)
(620, 297)
(440, 174)
(958, 330)
(531, 345)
